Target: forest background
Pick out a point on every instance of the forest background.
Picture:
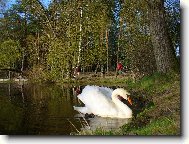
(47, 41)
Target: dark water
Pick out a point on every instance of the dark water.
(45, 110)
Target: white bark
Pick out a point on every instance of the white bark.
(80, 39)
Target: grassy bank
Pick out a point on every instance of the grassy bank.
(160, 116)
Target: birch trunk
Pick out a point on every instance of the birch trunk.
(80, 39)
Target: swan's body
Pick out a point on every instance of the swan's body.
(104, 102)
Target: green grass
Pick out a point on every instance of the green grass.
(154, 83)
(98, 131)
(107, 81)
(161, 126)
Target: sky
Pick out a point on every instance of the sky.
(10, 2)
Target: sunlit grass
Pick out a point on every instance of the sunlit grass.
(161, 126)
(98, 131)
(154, 83)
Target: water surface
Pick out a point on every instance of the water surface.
(45, 110)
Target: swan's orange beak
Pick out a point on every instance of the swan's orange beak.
(129, 100)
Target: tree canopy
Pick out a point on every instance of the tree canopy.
(65, 34)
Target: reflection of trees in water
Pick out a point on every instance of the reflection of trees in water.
(34, 110)
(10, 112)
(41, 109)
(51, 106)
(16, 94)
(76, 91)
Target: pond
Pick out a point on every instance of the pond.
(45, 110)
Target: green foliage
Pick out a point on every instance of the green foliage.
(59, 38)
(59, 59)
(37, 48)
(38, 74)
(135, 37)
(10, 54)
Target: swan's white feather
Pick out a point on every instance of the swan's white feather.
(98, 100)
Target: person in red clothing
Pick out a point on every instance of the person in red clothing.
(119, 68)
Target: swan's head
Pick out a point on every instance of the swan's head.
(122, 93)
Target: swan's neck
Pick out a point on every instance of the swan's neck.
(123, 107)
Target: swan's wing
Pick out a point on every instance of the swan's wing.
(91, 94)
(106, 91)
(96, 99)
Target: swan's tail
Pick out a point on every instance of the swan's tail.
(83, 110)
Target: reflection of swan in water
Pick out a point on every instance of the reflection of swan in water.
(104, 102)
(105, 123)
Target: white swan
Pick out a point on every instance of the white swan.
(104, 102)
